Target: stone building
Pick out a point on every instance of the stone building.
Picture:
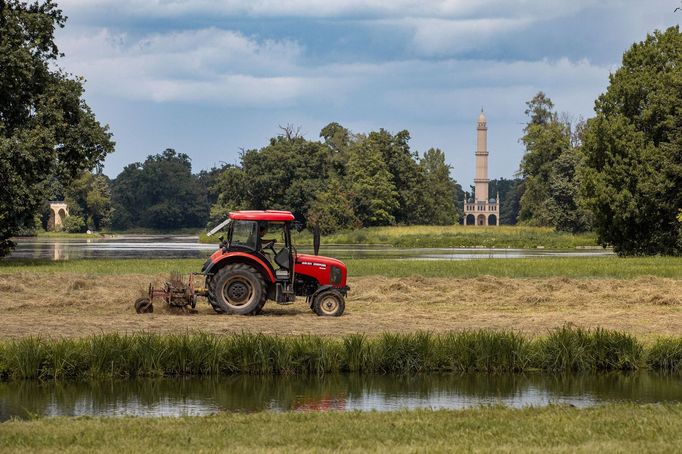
(482, 210)
(58, 212)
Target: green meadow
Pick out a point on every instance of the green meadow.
(538, 267)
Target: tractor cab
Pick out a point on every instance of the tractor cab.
(268, 240)
(257, 261)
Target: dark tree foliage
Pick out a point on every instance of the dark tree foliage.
(510, 192)
(550, 196)
(89, 197)
(47, 131)
(345, 181)
(632, 150)
(160, 193)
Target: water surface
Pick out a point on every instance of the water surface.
(202, 396)
(156, 246)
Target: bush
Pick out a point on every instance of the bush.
(74, 224)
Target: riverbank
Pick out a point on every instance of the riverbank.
(505, 236)
(566, 349)
(608, 428)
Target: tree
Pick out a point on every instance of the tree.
(632, 150)
(89, 197)
(333, 209)
(438, 191)
(372, 191)
(160, 193)
(46, 129)
(510, 192)
(550, 196)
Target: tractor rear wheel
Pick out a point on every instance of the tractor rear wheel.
(329, 303)
(239, 289)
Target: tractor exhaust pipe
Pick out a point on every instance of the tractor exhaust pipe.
(316, 239)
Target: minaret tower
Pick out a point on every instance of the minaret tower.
(482, 210)
(481, 181)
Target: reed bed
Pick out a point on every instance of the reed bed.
(153, 355)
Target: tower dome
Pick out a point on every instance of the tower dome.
(481, 118)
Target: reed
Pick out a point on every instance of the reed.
(152, 355)
(666, 354)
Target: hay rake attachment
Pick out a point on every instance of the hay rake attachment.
(175, 293)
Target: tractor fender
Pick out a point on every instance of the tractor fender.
(239, 257)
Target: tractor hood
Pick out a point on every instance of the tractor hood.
(318, 260)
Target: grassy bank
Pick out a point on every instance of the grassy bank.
(608, 428)
(574, 267)
(149, 355)
(520, 237)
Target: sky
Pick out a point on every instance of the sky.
(210, 78)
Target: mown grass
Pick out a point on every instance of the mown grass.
(148, 355)
(574, 267)
(621, 427)
(521, 237)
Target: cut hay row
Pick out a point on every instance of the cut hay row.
(151, 355)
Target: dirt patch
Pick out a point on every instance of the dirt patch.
(69, 304)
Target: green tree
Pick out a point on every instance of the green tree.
(550, 196)
(372, 191)
(160, 193)
(510, 192)
(333, 209)
(231, 194)
(46, 129)
(438, 191)
(632, 163)
(89, 197)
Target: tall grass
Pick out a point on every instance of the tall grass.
(449, 236)
(115, 355)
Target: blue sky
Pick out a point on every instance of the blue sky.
(209, 78)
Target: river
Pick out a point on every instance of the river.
(146, 246)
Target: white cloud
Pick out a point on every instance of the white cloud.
(208, 65)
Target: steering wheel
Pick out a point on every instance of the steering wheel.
(270, 245)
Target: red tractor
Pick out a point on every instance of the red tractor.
(256, 262)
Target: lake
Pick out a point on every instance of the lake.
(158, 246)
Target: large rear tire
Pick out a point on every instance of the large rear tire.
(210, 286)
(329, 303)
(239, 289)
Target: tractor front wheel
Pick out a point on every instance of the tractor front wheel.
(239, 289)
(329, 303)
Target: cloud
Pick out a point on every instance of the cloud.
(207, 65)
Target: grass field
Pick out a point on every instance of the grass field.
(89, 297)
(571, 267)
(451, 236)
(608, 428)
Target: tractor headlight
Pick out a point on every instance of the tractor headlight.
(335, 275)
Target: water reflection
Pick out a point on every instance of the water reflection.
(174, 397)
(146, 246)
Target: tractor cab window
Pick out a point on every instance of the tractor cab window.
(244, 234)
(274, 243)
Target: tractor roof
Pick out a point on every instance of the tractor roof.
(262, 215)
